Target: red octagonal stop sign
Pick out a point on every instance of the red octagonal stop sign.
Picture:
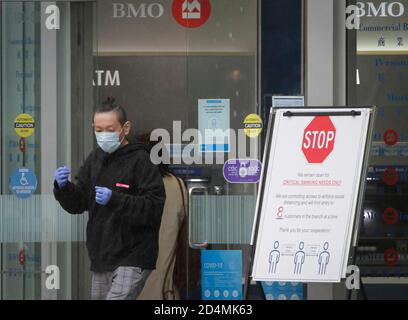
(318, 139)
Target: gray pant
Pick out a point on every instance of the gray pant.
(124, 283)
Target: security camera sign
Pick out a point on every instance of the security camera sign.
(23, 183)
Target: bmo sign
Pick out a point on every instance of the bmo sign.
(318, 139)
(382, 9)
(141, 10)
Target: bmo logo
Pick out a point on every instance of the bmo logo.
(382, 9)
(318, 139)
(191, 13)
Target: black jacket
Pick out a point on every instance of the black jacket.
(125, 232)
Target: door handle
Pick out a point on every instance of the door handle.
(190, 193)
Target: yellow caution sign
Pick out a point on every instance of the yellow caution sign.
(253, 125)
(24, 125)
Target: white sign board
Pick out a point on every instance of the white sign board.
(214, 125)
(309, 194)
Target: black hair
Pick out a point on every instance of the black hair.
(109, 105)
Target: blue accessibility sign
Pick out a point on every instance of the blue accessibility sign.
(23, 183)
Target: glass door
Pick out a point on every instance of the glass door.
(46, 106)
(222, 91)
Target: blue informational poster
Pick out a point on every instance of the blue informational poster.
(221, 275)
(23, 183)
(283, 290)
(214, 125)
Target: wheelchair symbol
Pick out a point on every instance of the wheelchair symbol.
(23, 179)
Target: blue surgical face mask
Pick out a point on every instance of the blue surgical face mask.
(108, 141)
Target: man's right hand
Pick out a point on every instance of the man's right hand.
(61, 176)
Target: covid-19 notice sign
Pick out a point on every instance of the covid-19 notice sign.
(309, 193)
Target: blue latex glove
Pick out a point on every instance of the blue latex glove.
(103, 195)
(61, 176)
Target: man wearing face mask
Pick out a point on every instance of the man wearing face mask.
(124, 195)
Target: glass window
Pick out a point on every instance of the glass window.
(377, 64)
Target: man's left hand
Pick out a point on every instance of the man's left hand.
(103, 195)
